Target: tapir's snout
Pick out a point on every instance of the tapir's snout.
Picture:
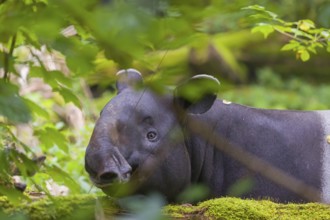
(109, 175)
(106, 168)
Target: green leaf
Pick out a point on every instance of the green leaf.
(53, 78)
(254, 7)
(59, 77)
(41, 72)
(305, 25)
(298, 33)
(290, 46)
(241, 186)
(14, 196)
(36, 71)
(68, 96)
(25, 166)
(36, 109)
(259, 17)
(312, 49)
(328, 47)
(325, 33)
(30, 37)
(12, 105)
(265, 29)
(284, 28)
(5, 166)
(317, 44)
(271, 14)
(62, 177)
(49, 136)
(79, 55)
(193, 193)
(261, 9)
(303, 55)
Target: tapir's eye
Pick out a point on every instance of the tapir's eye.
(152, 135)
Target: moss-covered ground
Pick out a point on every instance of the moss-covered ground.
(234, 208)
(66, 207)
(92, 207)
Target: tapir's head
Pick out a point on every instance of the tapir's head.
(139, 139)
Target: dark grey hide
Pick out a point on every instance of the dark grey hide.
(138, 129)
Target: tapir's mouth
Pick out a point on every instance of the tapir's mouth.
(104, 184)
(101, 185)
(98, 183)
(116, 188)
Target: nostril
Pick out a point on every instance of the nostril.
(108, 176)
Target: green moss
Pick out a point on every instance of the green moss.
(5, 206)
(231, 208)
(179, 211)
(68, 207)
(89, 206)
(60, 207)
(303, 211)
(234, 208)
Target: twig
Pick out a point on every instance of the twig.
(8, 56)
(320, 40)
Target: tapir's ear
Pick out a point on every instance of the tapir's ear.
(128, 78)
(197, 94)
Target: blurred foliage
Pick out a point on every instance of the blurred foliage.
(272, 91)
(305, 36)
(73, 45)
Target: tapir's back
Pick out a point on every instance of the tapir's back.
(294, 141)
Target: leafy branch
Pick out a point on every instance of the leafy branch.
(305, 37)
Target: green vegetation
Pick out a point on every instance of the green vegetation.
(305, 36)
(233, 208)
(273, 91)
(89, 207)
(58, 61)
(69, 207)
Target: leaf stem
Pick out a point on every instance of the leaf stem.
(317, 39)
(8, 57)
(288, 35)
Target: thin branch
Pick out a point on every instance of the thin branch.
(289, 35)
(8, 57)
(320, 40)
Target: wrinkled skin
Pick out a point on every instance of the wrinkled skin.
(139, 139)
(131, 129)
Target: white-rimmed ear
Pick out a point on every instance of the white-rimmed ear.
(128, 78)
(197, 94)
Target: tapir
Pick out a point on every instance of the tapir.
(139, 128)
